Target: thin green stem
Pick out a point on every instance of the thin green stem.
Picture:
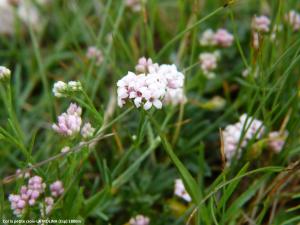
(178, 36)
(189, 181)
(237, 41)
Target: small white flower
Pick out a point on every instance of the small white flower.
(21, 174)
(208, 61)
(180, 191)
(139, 220)
(208, 38)
(65, 149)
(5, 73)
(277, 141)
(246, 72)
(87, 131)
(62, 89)
(293, 18)
(74, 86)
(59, 89)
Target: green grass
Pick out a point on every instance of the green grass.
(132, 168)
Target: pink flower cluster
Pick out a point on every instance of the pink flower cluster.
(293, 18)
(208, 63)
(29, 195)
(261, 24)
(139, 220)
(69, 123)
(277, 140)
(17, 204)
(93, 53)
(57, 188)
(240, 133)
(221, 38)
(152, 88)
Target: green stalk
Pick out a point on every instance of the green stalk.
(236, 38)
(19, 139)
(92, 107)
(190, 183)
(12, 114)
(173, 40)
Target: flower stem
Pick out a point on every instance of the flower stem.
(190, 183)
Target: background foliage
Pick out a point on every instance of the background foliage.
(130, 173)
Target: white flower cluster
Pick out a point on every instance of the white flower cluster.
(69, 123)
(208, 63)
(161, 84)
(139, 220)
(236, 136)
(5, 73)
(221, 38)
(293, 18)
(87, 131)
(180, 191)
(62, 89)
